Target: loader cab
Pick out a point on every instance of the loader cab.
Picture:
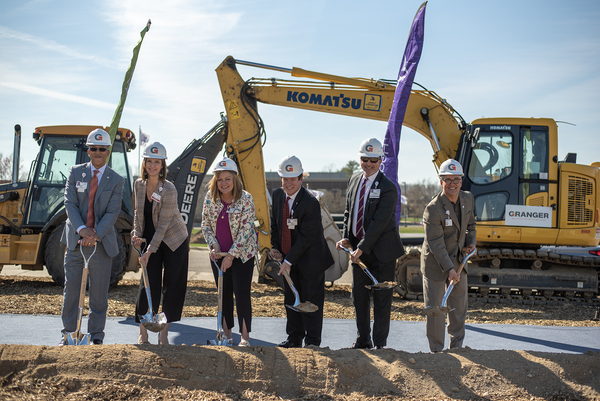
(511, 164)
(49, 172)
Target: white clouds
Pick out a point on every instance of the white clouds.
(45, 44)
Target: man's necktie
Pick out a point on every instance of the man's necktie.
(286, 234)
(91, 218)
(361, 211)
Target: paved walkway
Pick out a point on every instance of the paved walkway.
(337, 333)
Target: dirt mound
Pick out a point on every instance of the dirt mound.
(141, 372)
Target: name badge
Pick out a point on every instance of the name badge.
(292, 223)
(81, 186)
(448, 222)
(155, 196)
(375, 193)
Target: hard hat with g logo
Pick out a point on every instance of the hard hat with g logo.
(98, 137)
(371, 148)
(226, 165)
(155, 150)
(290, 166)
(451, 167)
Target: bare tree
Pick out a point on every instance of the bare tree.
(330, 168)
(5, 167)
(419, 195)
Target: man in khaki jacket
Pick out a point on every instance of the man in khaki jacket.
(449, 221)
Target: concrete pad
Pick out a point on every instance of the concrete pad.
(337, 333)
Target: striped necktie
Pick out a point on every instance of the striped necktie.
(360, 232)
(286, 234)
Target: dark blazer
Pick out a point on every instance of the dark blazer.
(442, 246)
(381, 233)
(107, 206)
(309, 252)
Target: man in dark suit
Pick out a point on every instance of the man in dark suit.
(297, 236)
(449, 221)
(88, 227)
(370, 229)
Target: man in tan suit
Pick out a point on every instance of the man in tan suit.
(449, 221)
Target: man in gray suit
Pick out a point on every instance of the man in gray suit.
(370, 229)
(88, 227)
(449, 221)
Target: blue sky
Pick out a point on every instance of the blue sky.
(63, 62)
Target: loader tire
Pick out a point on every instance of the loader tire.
(55, 258)
(55, 255)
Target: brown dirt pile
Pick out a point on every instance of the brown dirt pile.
(151, 372)
(142, 372)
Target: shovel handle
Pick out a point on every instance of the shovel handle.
(462, 264)
(360, 263)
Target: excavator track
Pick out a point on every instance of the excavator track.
(515, 276)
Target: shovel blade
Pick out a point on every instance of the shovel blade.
(77, 339)
(386, 285)
(304, 307)
(152, 322)
(435, 311)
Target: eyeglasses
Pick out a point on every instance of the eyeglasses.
(97, 149)
(452, 181)
(370, 159)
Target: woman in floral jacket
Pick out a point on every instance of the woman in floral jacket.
(228, 226)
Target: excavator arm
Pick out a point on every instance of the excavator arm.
(427, 114)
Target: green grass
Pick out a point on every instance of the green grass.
(199, 245)
(411, 229)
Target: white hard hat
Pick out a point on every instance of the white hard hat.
(371, 148)
(98, 137)
(451, 167)
(290, 166)
(226, 165)
(155, 150)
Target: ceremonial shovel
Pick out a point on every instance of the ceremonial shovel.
(386, 285)
(435, 311)
(150, 320)
(302, 307)
(78, 338)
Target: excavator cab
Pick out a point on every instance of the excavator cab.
(510, 165)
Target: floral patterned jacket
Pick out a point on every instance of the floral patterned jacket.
(241, 223)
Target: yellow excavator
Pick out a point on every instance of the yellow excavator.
(525, 196)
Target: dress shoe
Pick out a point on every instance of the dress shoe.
(361, 346)
(290, 344)
(97, 341)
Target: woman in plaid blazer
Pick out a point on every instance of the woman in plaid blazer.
(228, 226)
(157, 219)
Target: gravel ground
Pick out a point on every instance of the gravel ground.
(32, 295)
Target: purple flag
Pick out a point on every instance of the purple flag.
(406, 75)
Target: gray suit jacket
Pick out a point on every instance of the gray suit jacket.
(381, 233)
(107, 206)
(442, 247)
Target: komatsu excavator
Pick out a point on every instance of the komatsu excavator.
(511, 166)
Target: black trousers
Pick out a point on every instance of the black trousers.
(382, 300)
(305, 326)
(237, 280)
(167, 274)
